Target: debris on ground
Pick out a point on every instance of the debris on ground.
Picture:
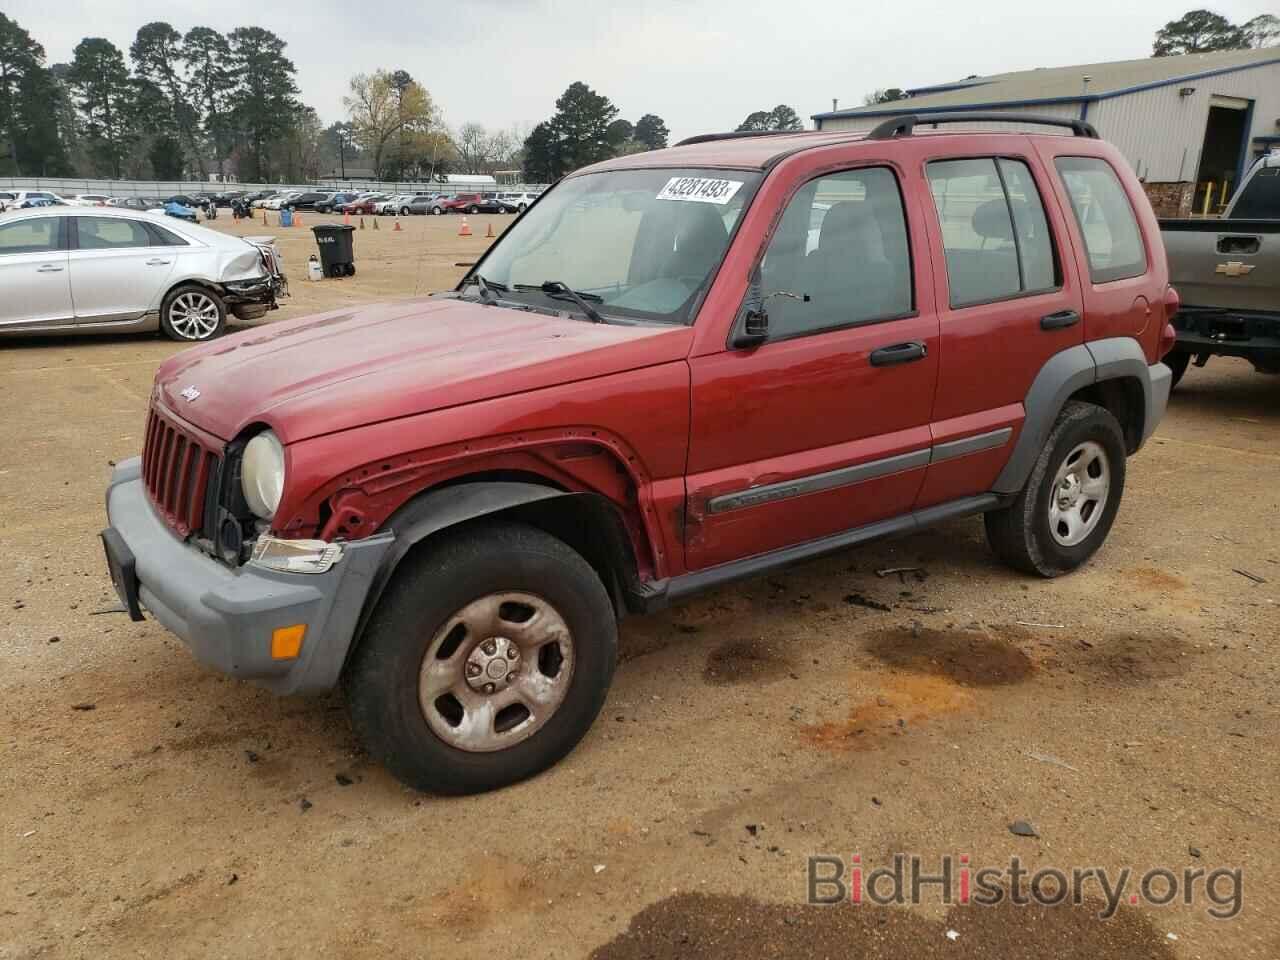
(858, 600)
(115, 608)
(251, 756)
(1022, 828)
(1046, 626)
(1050, 758)
(84, 706)
(1249, 576)
(304, 804)
(1194, 851)
(598, 868)
(343, 779)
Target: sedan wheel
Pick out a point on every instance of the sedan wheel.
(192, 314)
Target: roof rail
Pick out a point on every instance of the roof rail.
(734, 135)
(902, 126)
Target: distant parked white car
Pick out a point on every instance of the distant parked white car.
(392, 204)
(104, 269)
(89, 200)
(520, 201)
(278, 201)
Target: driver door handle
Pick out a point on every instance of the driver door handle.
(899, 353)
(49, 268)
(157, 262)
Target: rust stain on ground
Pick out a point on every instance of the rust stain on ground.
(910, 698)
(492, 885)
(1150, 578)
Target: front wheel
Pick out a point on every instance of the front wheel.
(192, 313)
(473, 209)
(404, 211)
(1065, 510)
(485, 662)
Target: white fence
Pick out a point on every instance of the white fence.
(71, 186)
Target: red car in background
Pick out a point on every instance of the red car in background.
(467, 203)
(365, 203)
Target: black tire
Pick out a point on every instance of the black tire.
(336, 270)
(351, 269)
(473, 209)
(436, 212)
(382, 679)
(405, 211)
(1177, 361)
(184, 331)
(1020, 534)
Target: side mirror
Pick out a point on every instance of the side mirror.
(754, 329)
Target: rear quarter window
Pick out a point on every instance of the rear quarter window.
(1105, 217)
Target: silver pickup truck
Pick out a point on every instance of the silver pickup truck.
(1227, 272)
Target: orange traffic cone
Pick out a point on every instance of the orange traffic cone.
(489, 235)
(346, 217)
(397, 226)
(297, 220)
(465, 229)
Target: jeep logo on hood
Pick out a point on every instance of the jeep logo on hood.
(190, 394)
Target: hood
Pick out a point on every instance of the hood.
(354, 366)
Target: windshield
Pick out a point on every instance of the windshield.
(640, 243)
(1260, 199)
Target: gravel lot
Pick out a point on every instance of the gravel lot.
(152, 808)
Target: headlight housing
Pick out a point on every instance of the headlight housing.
(262, 474)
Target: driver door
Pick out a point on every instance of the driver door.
(823, 427)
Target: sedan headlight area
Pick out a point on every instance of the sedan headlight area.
(262, 474)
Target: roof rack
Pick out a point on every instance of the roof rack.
(734, 135)
(902, 126)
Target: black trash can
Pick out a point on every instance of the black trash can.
(337, 254)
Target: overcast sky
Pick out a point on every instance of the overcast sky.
(701, 66)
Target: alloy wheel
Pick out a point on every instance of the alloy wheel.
(193, 316)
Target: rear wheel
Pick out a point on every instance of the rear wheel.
(191, 313)
(473, 209)
(1065, 510)
(1177, 361)
(485, 662)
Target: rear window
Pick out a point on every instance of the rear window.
(1260, 199)
(1105, 217)
(29, 236)
(994, 231)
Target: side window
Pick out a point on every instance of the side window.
(994, 230)
(110, 233)
(839, 256)
(160, 237)
(29, 236)
(1260, 199)
(1102, 210)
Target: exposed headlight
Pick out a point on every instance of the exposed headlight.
(262, 474)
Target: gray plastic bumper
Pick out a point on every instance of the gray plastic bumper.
(1161, 380)
(226, 616)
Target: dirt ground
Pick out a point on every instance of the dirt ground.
(151, 808)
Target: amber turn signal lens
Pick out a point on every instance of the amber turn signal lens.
(286, 642)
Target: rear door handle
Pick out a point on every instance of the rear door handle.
(157, 262)
(1059, 320)
(899, 353)
(49, 268)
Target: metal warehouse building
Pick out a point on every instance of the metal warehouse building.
(1189, 125)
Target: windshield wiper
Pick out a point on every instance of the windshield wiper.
(487, 287)
(562, 291)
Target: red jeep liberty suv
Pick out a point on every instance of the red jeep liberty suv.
(678, 368)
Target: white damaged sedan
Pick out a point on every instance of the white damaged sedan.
(108, 269)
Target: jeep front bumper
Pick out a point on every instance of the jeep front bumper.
(227, 616)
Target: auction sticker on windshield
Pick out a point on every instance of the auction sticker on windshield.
(700, 189)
